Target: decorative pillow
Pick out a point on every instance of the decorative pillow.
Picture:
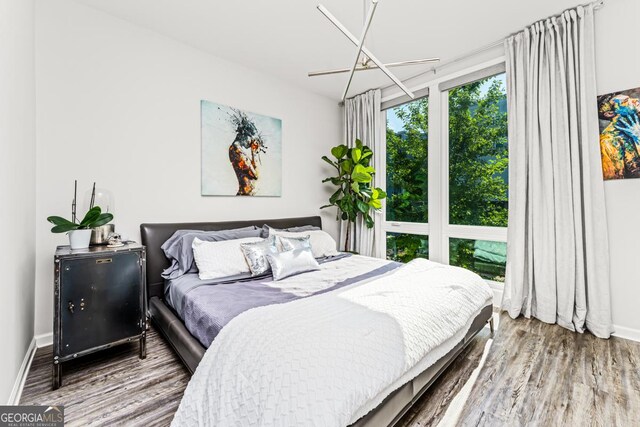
(285, 264)
(220, 259)
(266, 228)
(255, 254)
(178, 249)
(322, 244)
(290, 243)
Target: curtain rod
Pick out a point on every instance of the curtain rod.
(596, 5)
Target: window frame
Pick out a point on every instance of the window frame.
(438, 229)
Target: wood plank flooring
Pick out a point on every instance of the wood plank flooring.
(113, 387)
(535, 375)
(538, 374)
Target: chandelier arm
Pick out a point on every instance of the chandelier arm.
(366, 51)
(365, 29)
(373, 67)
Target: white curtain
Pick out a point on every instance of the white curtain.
(362, 121)
(558, 255)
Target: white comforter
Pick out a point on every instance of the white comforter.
(329, 359)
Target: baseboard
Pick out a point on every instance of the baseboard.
(43, 340)
(626, 333)
(16, 392)
(38, 341)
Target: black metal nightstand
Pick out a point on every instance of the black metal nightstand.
(99, 301)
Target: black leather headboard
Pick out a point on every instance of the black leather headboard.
(154, 235)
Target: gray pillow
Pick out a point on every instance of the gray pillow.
(255, 254)
(265, 229)
(171, 241)
(179, 252)
(285, 264)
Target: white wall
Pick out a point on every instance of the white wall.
(17, 185)
(120, 105)
(618, 68)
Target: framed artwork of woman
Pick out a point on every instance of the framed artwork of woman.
(241, 152)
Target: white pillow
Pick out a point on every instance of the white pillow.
(220, 259)
(322, 244)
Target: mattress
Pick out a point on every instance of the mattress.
(206, 306)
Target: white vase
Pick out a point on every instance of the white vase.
(79, 239)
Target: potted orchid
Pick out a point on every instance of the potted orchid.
(79, 232)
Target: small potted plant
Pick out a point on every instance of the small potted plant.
(80, 232)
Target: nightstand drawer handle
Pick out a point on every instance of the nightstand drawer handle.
(103, 261)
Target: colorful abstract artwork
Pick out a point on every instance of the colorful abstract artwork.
(241, 152)
(619, 114)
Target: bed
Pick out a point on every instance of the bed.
(389, 407)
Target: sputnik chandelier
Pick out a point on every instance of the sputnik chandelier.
(364, 59)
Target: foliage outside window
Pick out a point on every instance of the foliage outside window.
(405, 247)
(407, 136)
(478, 156)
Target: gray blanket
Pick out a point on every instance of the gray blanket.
(207, 306)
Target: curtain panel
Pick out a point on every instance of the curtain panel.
(362, 121)
(558, 251)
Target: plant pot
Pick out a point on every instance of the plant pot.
(79, 239)
(100, 235)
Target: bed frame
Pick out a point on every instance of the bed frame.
(191, 351)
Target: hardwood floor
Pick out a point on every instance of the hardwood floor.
(113, 387)
(534, 374)
(538, 374)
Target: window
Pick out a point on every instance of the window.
(468, 181)
(406, 206)
(407, 138)
(478, 158)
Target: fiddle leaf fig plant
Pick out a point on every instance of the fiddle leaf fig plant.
(355, 196)
(93, 218)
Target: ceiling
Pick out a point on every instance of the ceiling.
(288, 38)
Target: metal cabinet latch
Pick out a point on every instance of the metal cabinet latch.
(71, 306)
